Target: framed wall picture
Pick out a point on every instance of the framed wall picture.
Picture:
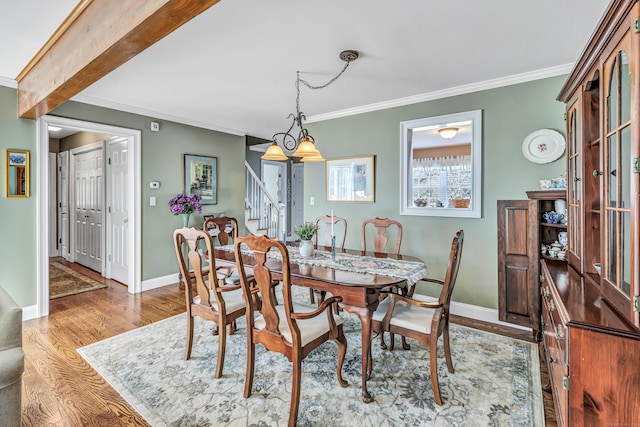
(350, 179)
(17, 182)
(201, 178)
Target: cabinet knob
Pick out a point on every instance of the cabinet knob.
(596, 173)
(551, 359)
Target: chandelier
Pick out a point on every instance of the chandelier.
(303, 143)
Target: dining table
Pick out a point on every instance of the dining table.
(356, 277)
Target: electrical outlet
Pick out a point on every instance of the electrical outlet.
(312, 201)
(155, 127)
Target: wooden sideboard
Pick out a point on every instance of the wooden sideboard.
(592, 352)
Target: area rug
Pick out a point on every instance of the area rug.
(496, 380)
(63, 282)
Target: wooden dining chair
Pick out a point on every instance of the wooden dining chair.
(225, 228)
(324, 223)
(382, 227)
(291, 329)
(425, 321)
(207, 294)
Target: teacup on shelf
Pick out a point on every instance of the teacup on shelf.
(553, 217)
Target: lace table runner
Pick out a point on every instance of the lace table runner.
(411, 271)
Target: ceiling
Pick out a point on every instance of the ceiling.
(233, 68)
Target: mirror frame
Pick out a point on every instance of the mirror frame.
(406, 201)
(27, 172)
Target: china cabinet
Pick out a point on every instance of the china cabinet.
(590, 309)
(525, 237)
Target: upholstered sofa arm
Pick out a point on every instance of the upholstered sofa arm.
(11, 361)
(11, 366)
(10, 322)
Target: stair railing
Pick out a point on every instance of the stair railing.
(262, 206)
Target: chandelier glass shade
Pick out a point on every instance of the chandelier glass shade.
(303, 144)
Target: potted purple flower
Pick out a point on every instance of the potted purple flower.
(185, 205)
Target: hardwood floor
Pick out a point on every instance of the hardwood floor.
(61, 389)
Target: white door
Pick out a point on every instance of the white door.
(53, 231)
(297, 194)
(89, 208)
(63, 204)
(117, 209)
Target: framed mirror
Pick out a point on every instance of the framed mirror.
(17, 182)
(441, 166)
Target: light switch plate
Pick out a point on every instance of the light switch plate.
(152, 201)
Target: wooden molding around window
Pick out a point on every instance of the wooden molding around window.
(95, 39)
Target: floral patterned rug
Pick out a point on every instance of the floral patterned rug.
(63, 282)
(496, 380)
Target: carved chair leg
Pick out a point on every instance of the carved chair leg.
(433, 364)
(383, 345)
(222, 342)
(405, 344)
(187, 350)
(312, 297)
(251, 359)
(392, 340)
(295, 390)
(447, 349)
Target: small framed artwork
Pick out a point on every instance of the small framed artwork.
(17, 164)
(201, 178)
(350, 179)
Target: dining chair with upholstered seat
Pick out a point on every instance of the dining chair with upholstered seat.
(289, 328)
(382, 227)
(421, 319)
(207, 295)
(340, 229)
(223, 228)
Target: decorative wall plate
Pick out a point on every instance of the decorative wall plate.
(543, 146)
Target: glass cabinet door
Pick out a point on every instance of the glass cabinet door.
(574, 185)
(617, 180)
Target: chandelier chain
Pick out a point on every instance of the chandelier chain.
(310, 86)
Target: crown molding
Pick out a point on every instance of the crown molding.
(5, 81)
(445, 93)
(154, 114)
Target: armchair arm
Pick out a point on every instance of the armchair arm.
(322, 307)
(423, 304)
(438, 281)
(229, 288)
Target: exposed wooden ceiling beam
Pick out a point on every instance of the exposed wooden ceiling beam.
(95, 39)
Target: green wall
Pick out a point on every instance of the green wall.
(162, 160)
(509, 115)
(18, 224)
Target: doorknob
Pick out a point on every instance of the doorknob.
(126, 220)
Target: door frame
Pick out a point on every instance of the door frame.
(42, 202)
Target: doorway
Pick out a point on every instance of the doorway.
(297, 195)
(124, 223)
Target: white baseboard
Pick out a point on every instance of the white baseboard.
(159, 282)
(30, 312)
(476, 312)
